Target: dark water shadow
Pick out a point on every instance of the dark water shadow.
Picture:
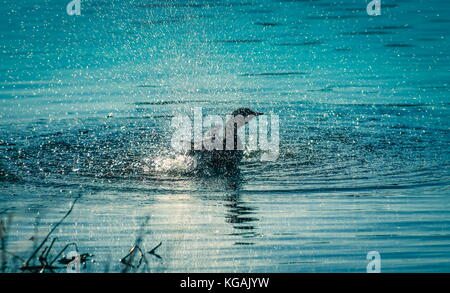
(239, 213)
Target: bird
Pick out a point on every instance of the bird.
(227, 158)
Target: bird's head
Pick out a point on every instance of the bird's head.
(245, 112)
(242, 116)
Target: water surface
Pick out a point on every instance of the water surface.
(86, 104)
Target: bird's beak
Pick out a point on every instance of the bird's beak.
(259, 113)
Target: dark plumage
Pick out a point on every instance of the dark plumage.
(224, 160)
(245, 112)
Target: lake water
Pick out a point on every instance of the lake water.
(363, 101)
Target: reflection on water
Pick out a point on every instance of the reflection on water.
(239, 214)
(86, 105)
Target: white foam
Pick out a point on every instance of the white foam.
(176, 164)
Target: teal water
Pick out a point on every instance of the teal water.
(86, 104)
